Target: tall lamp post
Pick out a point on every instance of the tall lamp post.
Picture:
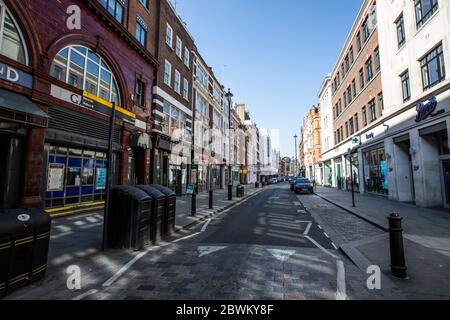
(296, 158)
(109, 176)
(351, 176)
(229, 95)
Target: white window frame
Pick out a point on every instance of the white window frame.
(169, 65)
(179, 48)
(186, 57)
(169, 28)
(3, 11)
(177, 82)
(186, 89)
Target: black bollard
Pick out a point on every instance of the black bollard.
(210, 199)
(194, 204)
(230, 192)
(398, 263)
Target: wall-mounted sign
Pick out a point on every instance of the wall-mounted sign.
(100, 181)
(55, 181)
(18, 77)
(427, 109)
(356, 140)
(92, 102)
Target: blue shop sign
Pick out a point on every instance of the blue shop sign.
(427, 109)
(15, 76)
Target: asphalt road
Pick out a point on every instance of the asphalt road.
(268, 247)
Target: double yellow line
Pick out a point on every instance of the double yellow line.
(71, 210)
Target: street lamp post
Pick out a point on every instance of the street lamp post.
(229, 95)
(109, 176)
(296, 156)
(351, 177)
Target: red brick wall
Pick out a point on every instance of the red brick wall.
(43, 24)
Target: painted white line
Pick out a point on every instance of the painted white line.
(57, 236)
(321, 248)
(84, 295)
(334, 246)
(296, 203)
(206, 225)
(341, 287)
(326, 235)
(125, 268)
(319, 227)
(206, 250)
(187, 237)
(307, 229)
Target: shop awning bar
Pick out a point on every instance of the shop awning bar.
(18, 108)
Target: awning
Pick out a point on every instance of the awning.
(21, 109)
(141, 140)
(20, 103)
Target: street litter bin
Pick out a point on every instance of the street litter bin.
(256, 185)
(129, 218)
(24, 241)
(158, 210)
(239, 191)
(171, 207)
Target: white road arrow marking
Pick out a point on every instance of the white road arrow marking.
(281, 255)
(204, 251)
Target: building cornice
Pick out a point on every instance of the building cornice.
(118, 28)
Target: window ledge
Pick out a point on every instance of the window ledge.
(433, 16)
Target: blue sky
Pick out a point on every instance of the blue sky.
(275, 53)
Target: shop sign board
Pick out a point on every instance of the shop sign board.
(92, 102)
(15, 76)
(427, 109)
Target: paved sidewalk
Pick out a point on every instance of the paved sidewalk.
(427, 242)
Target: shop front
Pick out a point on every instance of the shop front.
(339, 169)
(19, 118)
(352, 170)
(375, 170)
(327, 174)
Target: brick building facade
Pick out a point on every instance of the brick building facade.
(67, 80)
(172, 101)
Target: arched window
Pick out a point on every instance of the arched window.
(12, 44)
(84, 69)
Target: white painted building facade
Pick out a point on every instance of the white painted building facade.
(327, 136)
(415, 57)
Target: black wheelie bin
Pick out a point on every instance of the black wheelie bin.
(129, 219)
(171, 208)
(158, 211)
(24, 242)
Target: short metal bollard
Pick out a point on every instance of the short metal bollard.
(194, 204)
(211, 199)
(230, 192)
(398, 263)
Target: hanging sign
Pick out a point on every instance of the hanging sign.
(55, 180)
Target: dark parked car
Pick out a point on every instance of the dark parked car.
(293, 181)
(303, 185)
